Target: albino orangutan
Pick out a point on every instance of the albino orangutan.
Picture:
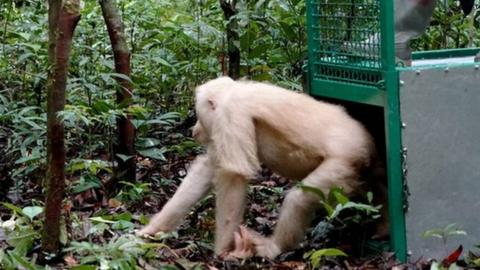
(244, 124)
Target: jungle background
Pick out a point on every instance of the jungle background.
(174, 46)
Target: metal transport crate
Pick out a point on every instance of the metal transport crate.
(429, 124)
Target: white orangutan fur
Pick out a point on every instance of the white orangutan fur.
(244, 124)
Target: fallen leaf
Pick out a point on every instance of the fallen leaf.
(453, 257)
(114, 203)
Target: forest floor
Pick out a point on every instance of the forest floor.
(102, 224)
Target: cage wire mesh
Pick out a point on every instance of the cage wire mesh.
(346, 40)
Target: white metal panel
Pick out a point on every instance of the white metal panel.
(441, 112)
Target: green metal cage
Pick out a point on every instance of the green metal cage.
(351, 59)
(351, 54)
(350, 48)
(346, 41)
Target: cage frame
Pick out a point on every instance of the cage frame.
(386, 95)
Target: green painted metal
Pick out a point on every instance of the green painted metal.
(346, 91)
(351, 50)
(344, 42)
(439, 66)
(437, 54)
(393, 133)
(352, 57)
(310, 44)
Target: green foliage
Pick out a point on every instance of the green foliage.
(336, 202)
(175, 46)
(27, 138)
(185, 146)
(86, 182)
(133, 192)
(119, 253)
(318, 257)
(10, 260)
(439, 266)
(22, 230)
(444, 233)
(450, 29)
(149, 126)
(341, 214)
(120, 222)
(473, 257)
(273, 40)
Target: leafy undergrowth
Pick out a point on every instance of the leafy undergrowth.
(100, 234)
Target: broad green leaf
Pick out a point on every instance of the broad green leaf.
(157, 121)
(445, 232)
(148, 142)
(101, 220)
(127, 216)
(4, 100)
(433, 233)
(313, 190)
(24, 57)
(259, 4)
(328, 252)
(435, 266)
(25, 36)
(122, 225)
(258, 50)
(170, 115)
(33, 47)
(121, 76)
(22, 240)
(138, 123)
(102, 106)
(317, 256)
(63, 238)
(262, 77)
(143, 219)
(86, 182)
(288, 31)
(98, 229)
(338, 194)
(330, 210)
(23, 262)
(30, 158)
(124, 157)
(83, 267)
(14, 208)
(154, 153)
(283, 5)
(162, 61)
(369, 197)
(32, 124)
(7, 261)
(32, 211)
(332, 198)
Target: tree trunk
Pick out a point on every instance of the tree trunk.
(61, 36)
(121, 54)
(229, 11)
(53, 12)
